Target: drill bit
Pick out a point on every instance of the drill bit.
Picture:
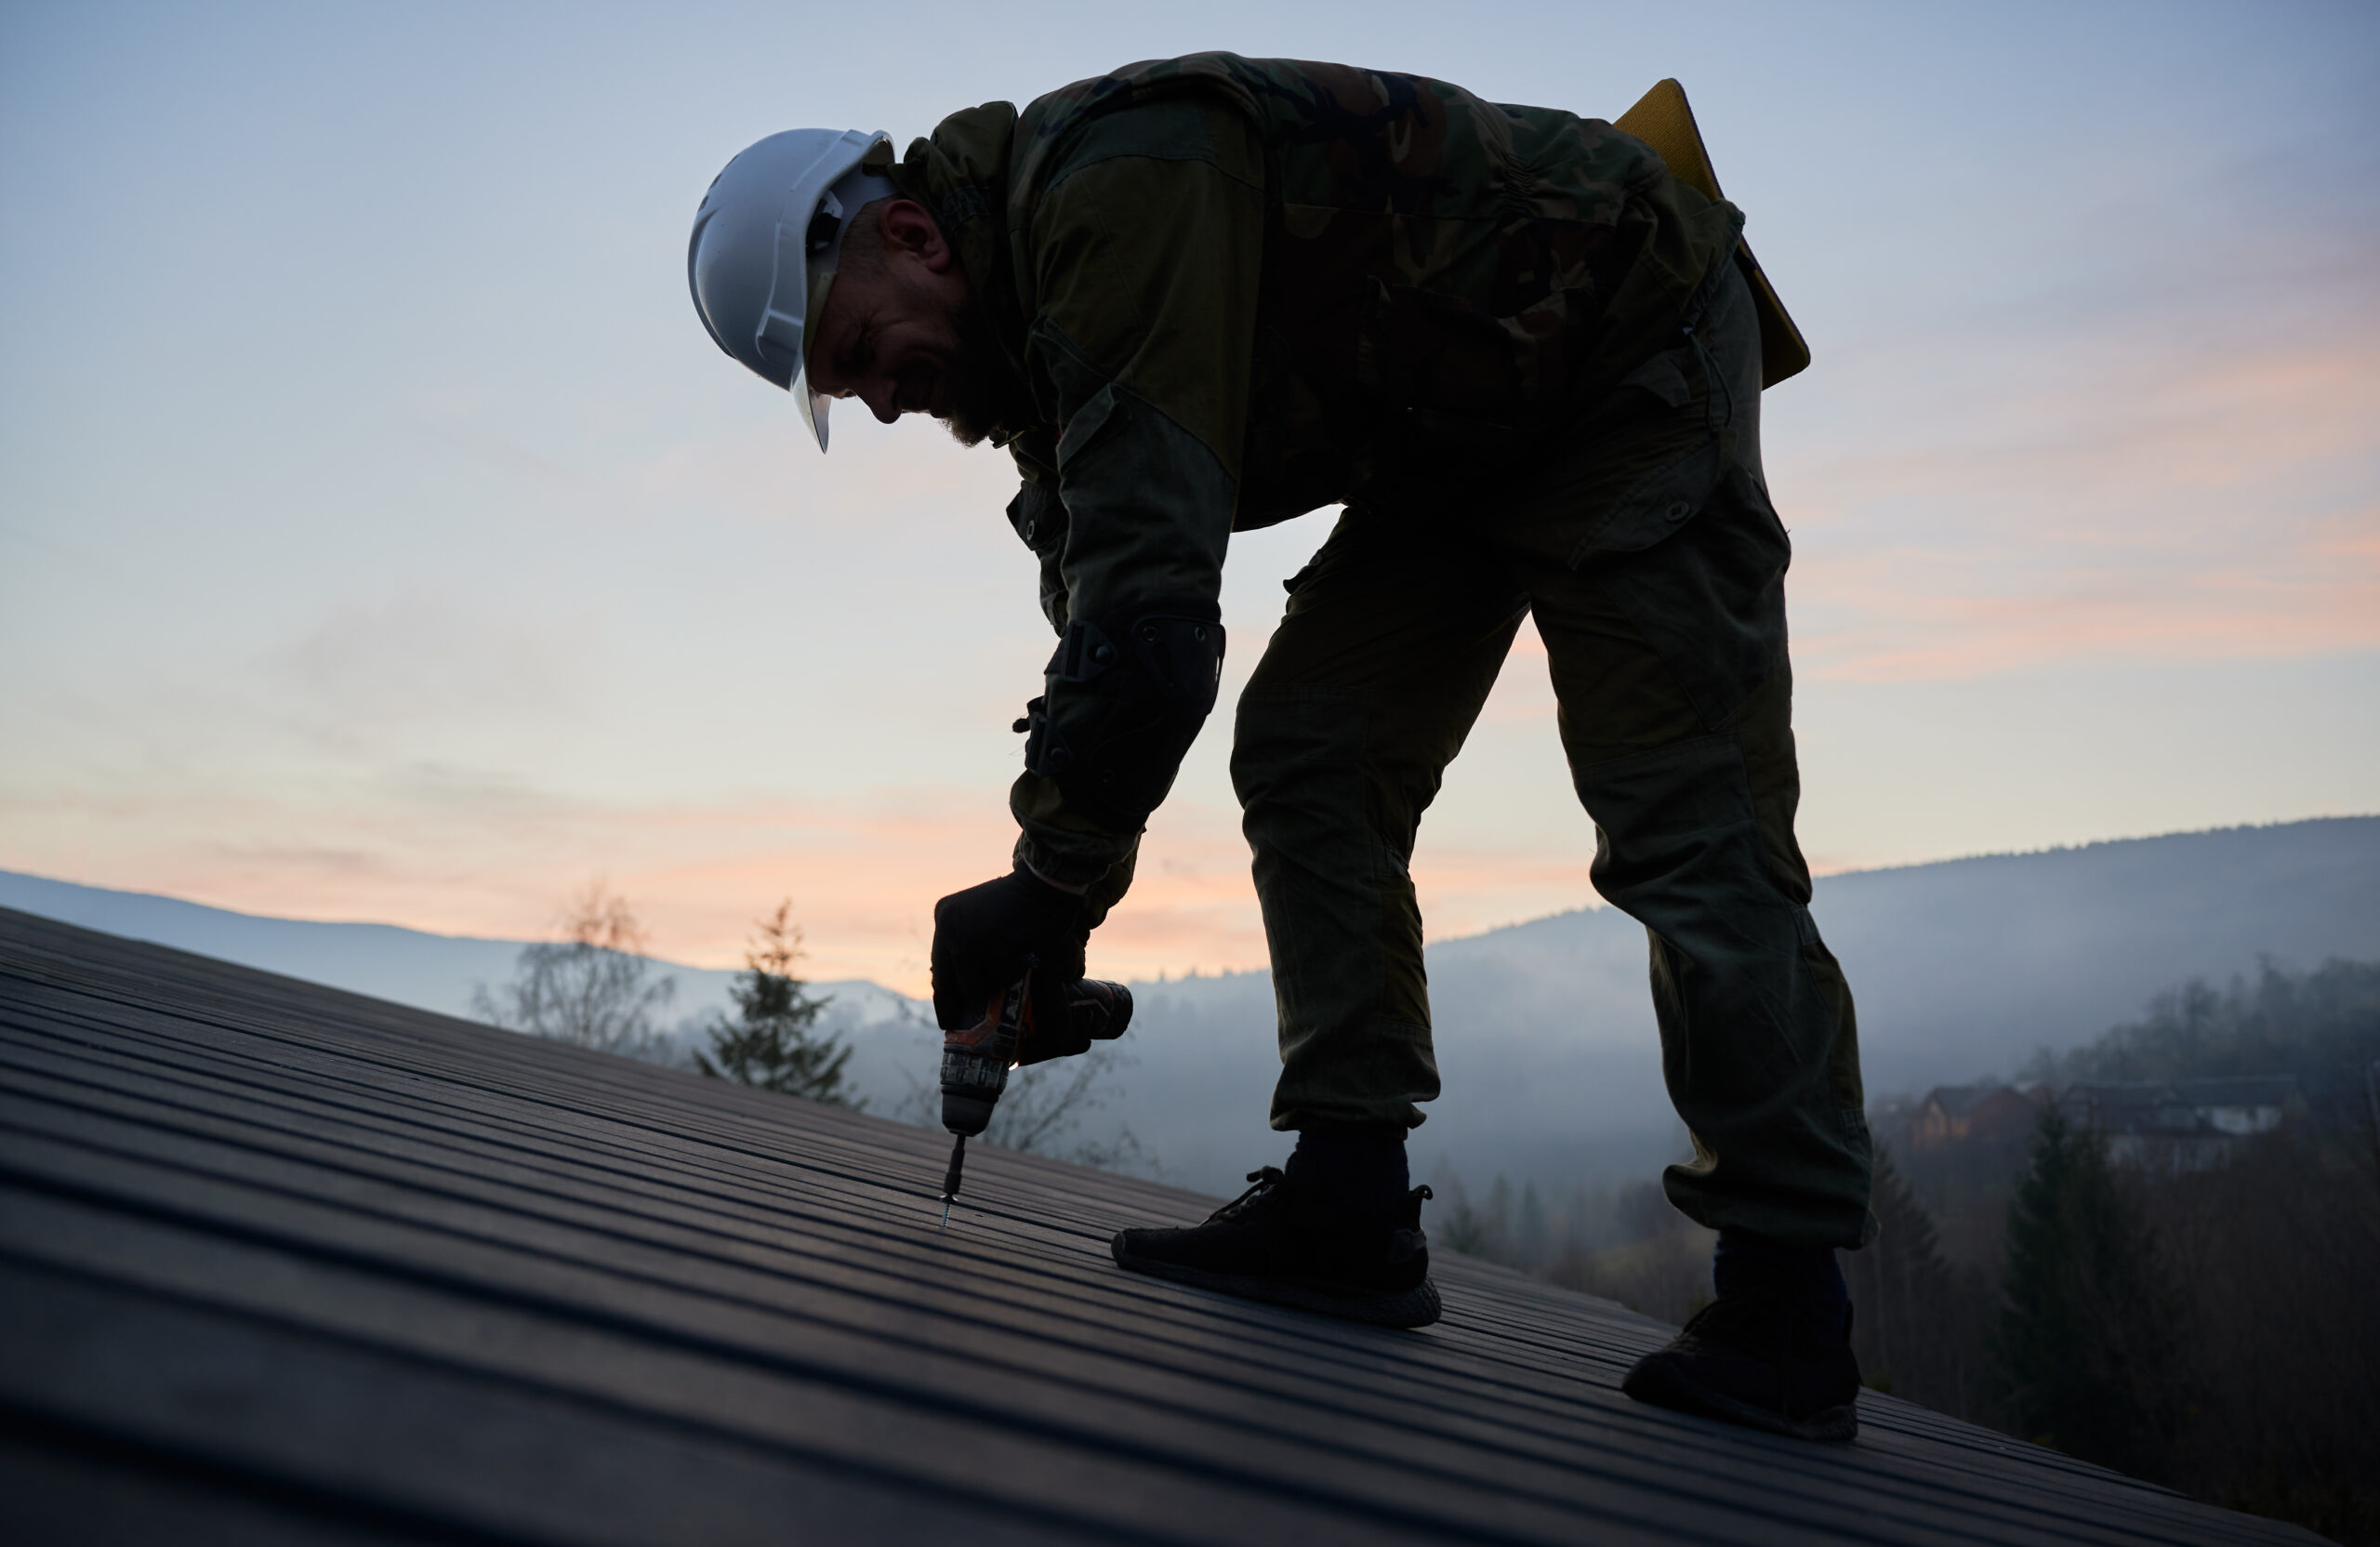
(950, 1180)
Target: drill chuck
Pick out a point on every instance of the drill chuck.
(965, 1113)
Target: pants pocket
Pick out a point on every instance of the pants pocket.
(1711, 598)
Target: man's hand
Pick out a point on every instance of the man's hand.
(982, 935)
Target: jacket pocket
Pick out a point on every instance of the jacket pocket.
(1038, 517)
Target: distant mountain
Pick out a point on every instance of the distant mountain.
(1960, 969)
(431, 971)
(1545, 1030)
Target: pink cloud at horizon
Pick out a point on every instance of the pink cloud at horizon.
(2223, 509)
(862, 878)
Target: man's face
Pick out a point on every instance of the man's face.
(904, 336)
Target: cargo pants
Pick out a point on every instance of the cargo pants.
(1644, 547)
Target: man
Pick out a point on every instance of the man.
(1206, 295)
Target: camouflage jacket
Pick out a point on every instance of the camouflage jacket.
(1241, 289)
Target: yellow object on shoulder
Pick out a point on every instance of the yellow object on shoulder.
(1663, 119)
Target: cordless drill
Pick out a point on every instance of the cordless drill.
(976, 1060)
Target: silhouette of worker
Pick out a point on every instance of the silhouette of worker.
(1525, 353)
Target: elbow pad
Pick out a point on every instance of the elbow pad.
(1123, 700)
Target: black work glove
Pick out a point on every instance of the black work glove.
(982, 935)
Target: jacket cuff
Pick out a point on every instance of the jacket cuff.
(1066, 847)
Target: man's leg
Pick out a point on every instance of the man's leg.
(1665, 627)
(1393, 638)
(1695, 840)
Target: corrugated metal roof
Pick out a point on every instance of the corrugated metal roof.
(282, 1265)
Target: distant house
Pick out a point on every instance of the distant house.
(1958, 1114)
(2181, 1124)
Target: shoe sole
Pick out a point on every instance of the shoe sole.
(1406, 1308)
(1658, 1381)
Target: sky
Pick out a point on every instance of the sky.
(381, 537)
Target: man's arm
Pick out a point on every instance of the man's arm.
(1145, 253)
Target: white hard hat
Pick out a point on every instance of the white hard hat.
(765, 245)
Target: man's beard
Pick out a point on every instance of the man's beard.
(986, 399)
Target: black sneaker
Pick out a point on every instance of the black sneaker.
(1759, 1356)
(1272, 1244)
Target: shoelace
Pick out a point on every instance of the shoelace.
(1265, 1178)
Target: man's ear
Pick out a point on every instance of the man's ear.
(909, 231)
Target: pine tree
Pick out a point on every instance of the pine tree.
(1498, 1221)
(773, 1042)
(1919, 1320)
(2087, 1347)
(1459, 1224)
(1533, 1233)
